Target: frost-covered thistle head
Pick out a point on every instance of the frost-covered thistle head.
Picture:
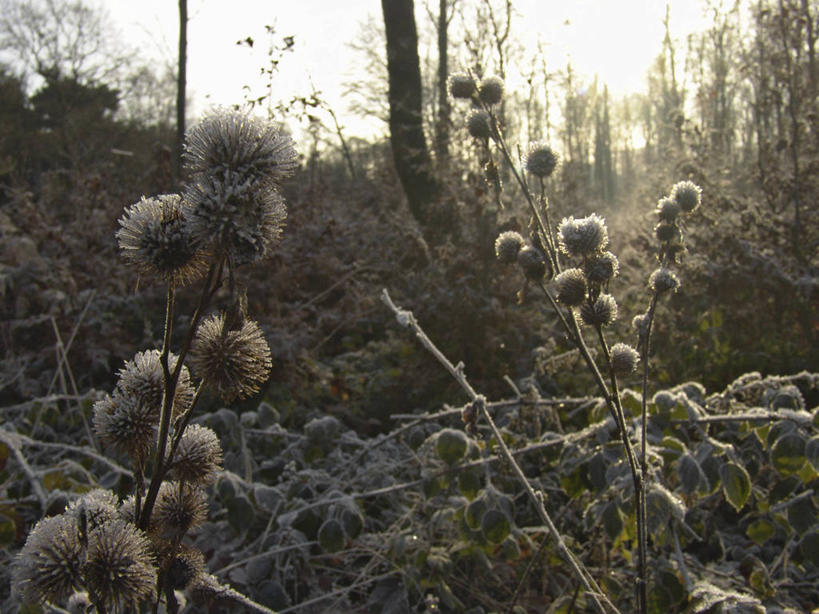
(663, 280)
(624, 359)
(571, 287)
(532, 262)
(668, 209)
(507, 246)
(687, 194)
(49, 567)
(198, 456)
(462, 86)
(601, 268)
(184, 567)
(93, 509)
(667, 233)
(142, 378)
(490, 90)
(178, 509)
(155, 238)
(119, 570)
(541, 160)
(126, 424)
(583, 237)
(479, 124)
(240, 215)
(234, 362)
(600, 313)
(231, 140)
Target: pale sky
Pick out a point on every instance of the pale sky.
(615, 39)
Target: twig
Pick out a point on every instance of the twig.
(12, 441)
(406, 318)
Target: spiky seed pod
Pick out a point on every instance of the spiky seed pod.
(479, 124)
(507, 246)
(155, 238)
(667, 233)
(668, 209)
(236, 214)
(624, 359)
(571, 287)
(602, 268)
(687, 194)
(663, 280)
(532, 262)
(640, 324)
(126, 424)
(230, 140)
(600, 313)
(583, 237)
(79, 603)
(490, 90)
(92, 509)
(198, 456)
(541, 160)
(462, 86)
(234, 362)
(184, 567)
(178, 509)
(143, 379)
(120, 571)
(49, 567)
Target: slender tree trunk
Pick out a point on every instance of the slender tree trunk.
(181, 83)
(442, 128)
(409, 147)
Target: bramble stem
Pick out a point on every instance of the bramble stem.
(406, 318)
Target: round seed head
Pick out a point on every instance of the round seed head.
(79, 603)
(571, 287)
(490, 90)
(155, 238)
(242, 216)
(507, 246)
(462, 86)
(602, 268)
(49, 567)
(479, 124)
(184, 567)
(687, 194)
(583, 237)
(640, 324)
(198, 456)
(663, 280)
(668, 209)
(126, 424)
(119, 569)
(624, 359)
(532, 262)
(600, 313)
(142, 378)
(234, 362)
(667, 233)
(541, 160)
(230, 140)
(178, 509)
(93, 509)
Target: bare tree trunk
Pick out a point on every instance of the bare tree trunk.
(409, 147)
(181, 83)
(442, 127)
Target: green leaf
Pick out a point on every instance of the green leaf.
(469, 483)
(612, 520)
(736, 484)
(331, 536)
(788, 453)
(809, 547)
(451, 445)
(760, 531)
(495, 526)
(802, 515)
(690, 474)
(812, 452)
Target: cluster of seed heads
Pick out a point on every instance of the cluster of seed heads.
(113, 555)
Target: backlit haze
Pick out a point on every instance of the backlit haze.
(617, 40)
